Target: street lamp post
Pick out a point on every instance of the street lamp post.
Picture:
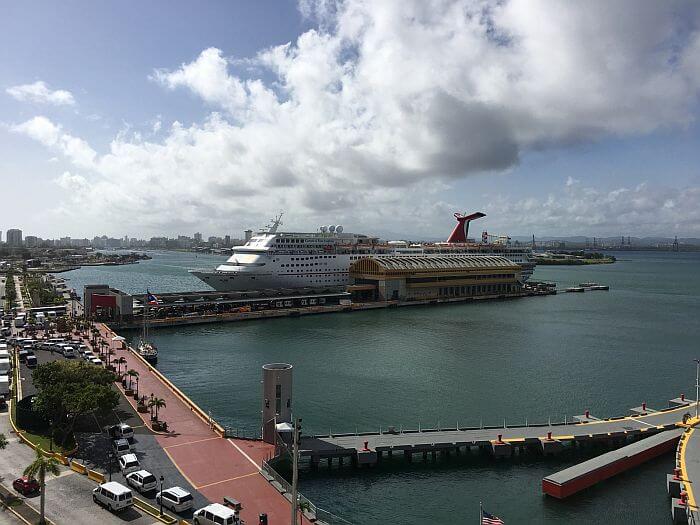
(137, 387)
(295, 469)
(111, 459)
(161, 492)
(697, 385)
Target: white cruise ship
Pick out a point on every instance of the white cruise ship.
(274, 259)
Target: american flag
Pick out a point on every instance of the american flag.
(490, 519)
(152, 299)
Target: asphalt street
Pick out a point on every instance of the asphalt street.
(94, 443)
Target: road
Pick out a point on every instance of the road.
(69, 496)
(94, 443)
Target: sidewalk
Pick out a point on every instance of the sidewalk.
(214, 465)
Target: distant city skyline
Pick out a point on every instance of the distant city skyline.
(552, 118)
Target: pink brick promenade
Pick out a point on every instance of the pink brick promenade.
(214, 465)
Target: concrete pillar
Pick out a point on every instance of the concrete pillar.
(276, 398)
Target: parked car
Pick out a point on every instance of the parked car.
(23, 355)
(129, 463)
(214, 514)
(69, 352)
(121, 446)
(31, 361)
(96, 361)
(26, 485)
(141, 480)
(113, 495)
(176, 499)
(121, 431)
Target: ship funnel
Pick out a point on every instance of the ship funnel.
(331, 228)
(461, 231)
(339, 229)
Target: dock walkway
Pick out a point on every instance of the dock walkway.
(214, 465)
(368, 448)
(686, 477)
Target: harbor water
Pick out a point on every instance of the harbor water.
(516, 360)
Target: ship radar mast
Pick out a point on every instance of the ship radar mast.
(275, 223)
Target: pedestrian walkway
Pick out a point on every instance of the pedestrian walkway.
(216, 466)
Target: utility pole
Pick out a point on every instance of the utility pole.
(295, 469)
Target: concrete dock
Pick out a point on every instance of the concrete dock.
(684, 505)
(369, 448)
(578, 477)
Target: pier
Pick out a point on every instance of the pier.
(369, 448)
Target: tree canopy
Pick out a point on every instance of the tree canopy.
(67, 390)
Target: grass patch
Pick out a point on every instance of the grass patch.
(41, 440)
(45, 442)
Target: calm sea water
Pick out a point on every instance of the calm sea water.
(530, 358)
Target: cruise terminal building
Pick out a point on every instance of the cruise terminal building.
(434, 277)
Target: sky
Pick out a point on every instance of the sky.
(170, 117)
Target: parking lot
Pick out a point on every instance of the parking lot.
(94, 443)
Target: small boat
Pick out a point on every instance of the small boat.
(588, 285)
(578, 289)
(600, 287)
(148, 351)
(145, 348)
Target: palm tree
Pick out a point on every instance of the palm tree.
(157, 403)
(110, 353)
(121, 361)
(41, 466)
(132, 375)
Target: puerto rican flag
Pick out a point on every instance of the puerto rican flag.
(490, 519)
(152, 299)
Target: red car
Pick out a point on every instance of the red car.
(25, 485)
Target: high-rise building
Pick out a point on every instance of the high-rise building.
(14, 238)
(227, 241)
(248, 235)
(31, 241)
(197, 237)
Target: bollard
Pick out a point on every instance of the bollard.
(684, 498)
(549, 436)
(682, 397)
(588, 414)
(676, 473)
(366, 447)
(500, 438)
(644, 406)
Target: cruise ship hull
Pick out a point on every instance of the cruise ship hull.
(230, 281)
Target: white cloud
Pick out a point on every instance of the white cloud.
(642, 210)
(388, 103)
(40, 93)
(51, 135)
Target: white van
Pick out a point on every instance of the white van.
(214, 514)
(4, 385)
(69, 352)
(112, 495)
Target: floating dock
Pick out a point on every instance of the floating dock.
(574, 479)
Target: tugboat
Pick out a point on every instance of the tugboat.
(145, 348)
